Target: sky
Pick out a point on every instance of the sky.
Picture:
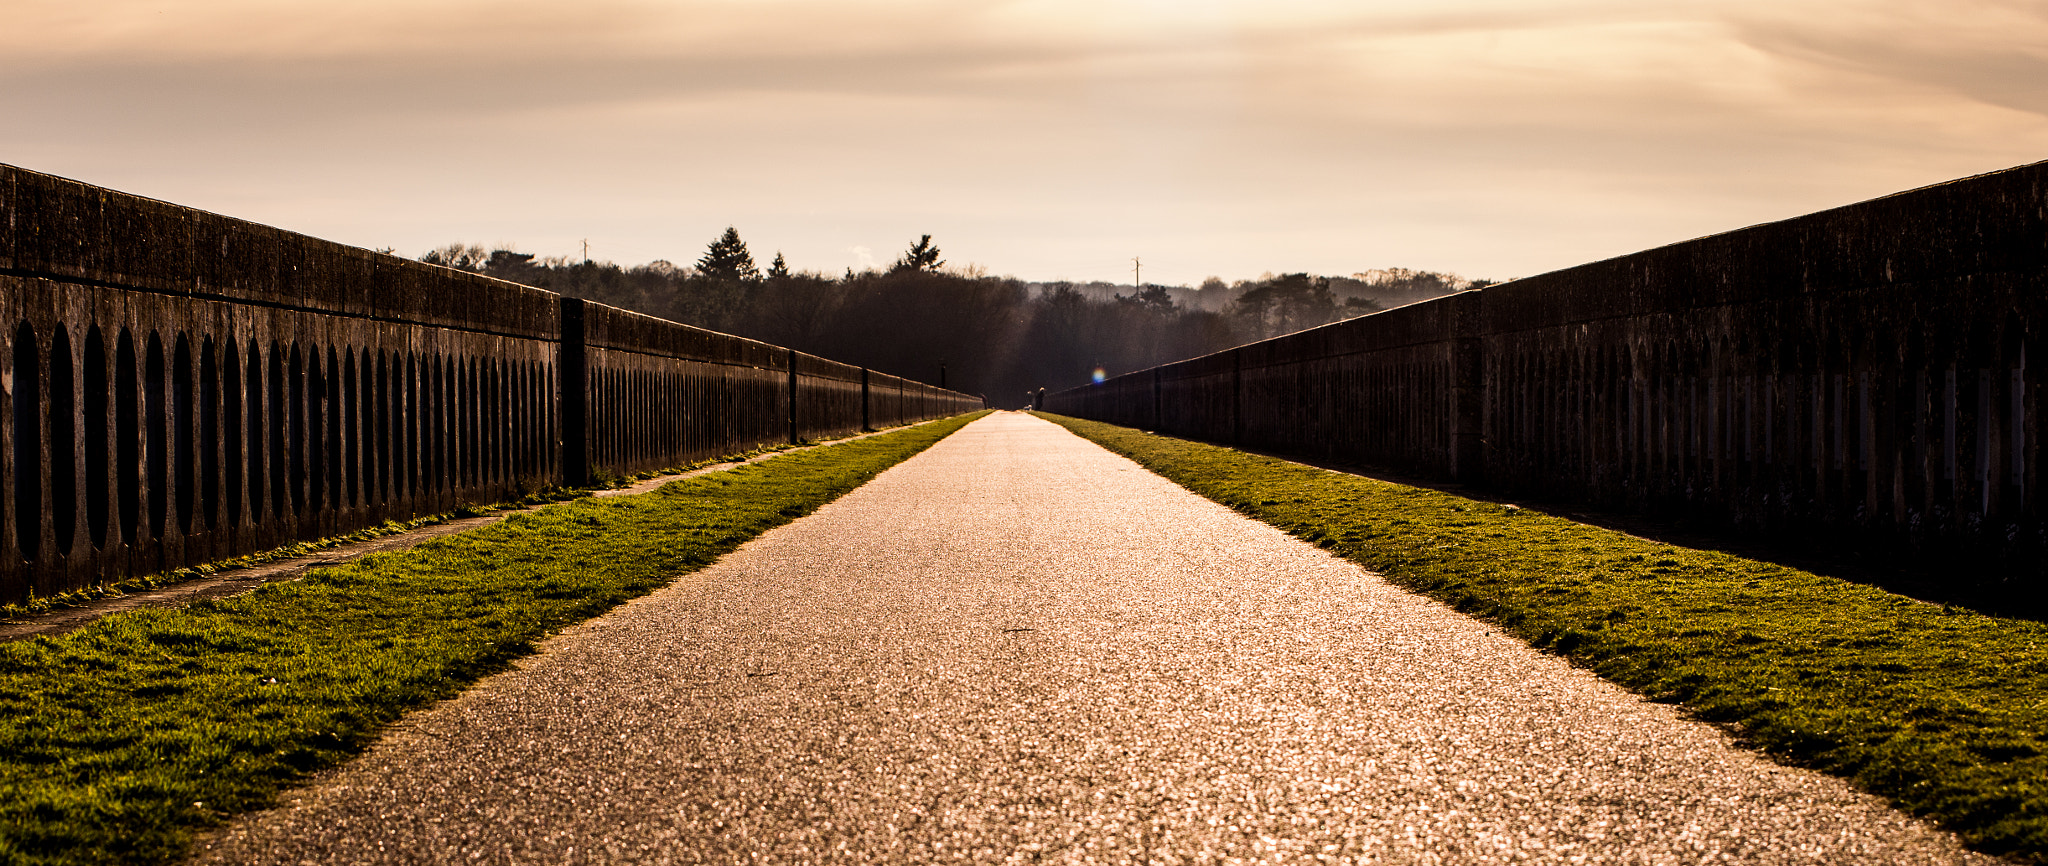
(1044, 139)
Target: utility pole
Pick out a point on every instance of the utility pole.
(1137, 283)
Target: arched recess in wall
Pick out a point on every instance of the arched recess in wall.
(1978, 406)
(434, 423)
(256, 434)
(1776, 363)
(460, 402)
(314, 471)
(1836, 419)
(370, 411)
(518, 420)
(494, 422)
(232, 432)
(259, 430)
(412, 469)
(630, 433)
(63, 443)
(492, 429)
(434, 426)
(421, 425)
(1805, 412)
(128, 437)
(1547, 387)
(1719, 418)
(282, 444)
(1600, 446)
(349, 492)
(1628, 416)
(1866, 365)
(98, 432)
(516, 415)
(472, 421)
(1910, 413)
(1993, 409)
(26, 392)
(1884, 437)
(458, 423)
(300, 445)
(156, 432)
(1665, 431)
(540, 383)
(618, 421)
(1698, 362)
(2019, 452)
(597, 410)
(335, 431)
(332, 407)
(620, 424)
(551, 419)
(1742, 370)
(386, 411)
(209, 433)
(181, 431)
(537, 418)
(529, 422)
(511, 409)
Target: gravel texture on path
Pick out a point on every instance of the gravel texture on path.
(1018, 647)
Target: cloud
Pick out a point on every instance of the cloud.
(1993, 51)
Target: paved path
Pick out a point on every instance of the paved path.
(1018, 647)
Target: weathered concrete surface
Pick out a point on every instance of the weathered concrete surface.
(1017, 647)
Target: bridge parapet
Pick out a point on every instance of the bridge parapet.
(1862, 371)
(183, 387)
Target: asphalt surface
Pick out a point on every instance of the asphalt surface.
(1018, 647)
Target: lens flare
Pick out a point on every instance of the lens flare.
(1101, 374)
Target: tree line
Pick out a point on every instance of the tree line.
(996, 336)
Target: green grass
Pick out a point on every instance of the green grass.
(1940, 710)
(120, 740)
(603, 480)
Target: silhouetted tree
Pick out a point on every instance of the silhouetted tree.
(727, 259)
(922, 256)
(1285, 304)
(462, 257)
(997, 336)
(1153, 299)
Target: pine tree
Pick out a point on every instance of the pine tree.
(922, 256)
(727, 260)
(778, 269)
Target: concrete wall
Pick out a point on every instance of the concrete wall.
(1860, 372)
(182, 387)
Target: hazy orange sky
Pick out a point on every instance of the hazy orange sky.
(1041, 138)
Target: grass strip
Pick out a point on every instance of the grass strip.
(550, 493)
(118, 741)
(1941, 710)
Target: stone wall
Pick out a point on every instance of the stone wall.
(1858, 373)
(182, 387)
